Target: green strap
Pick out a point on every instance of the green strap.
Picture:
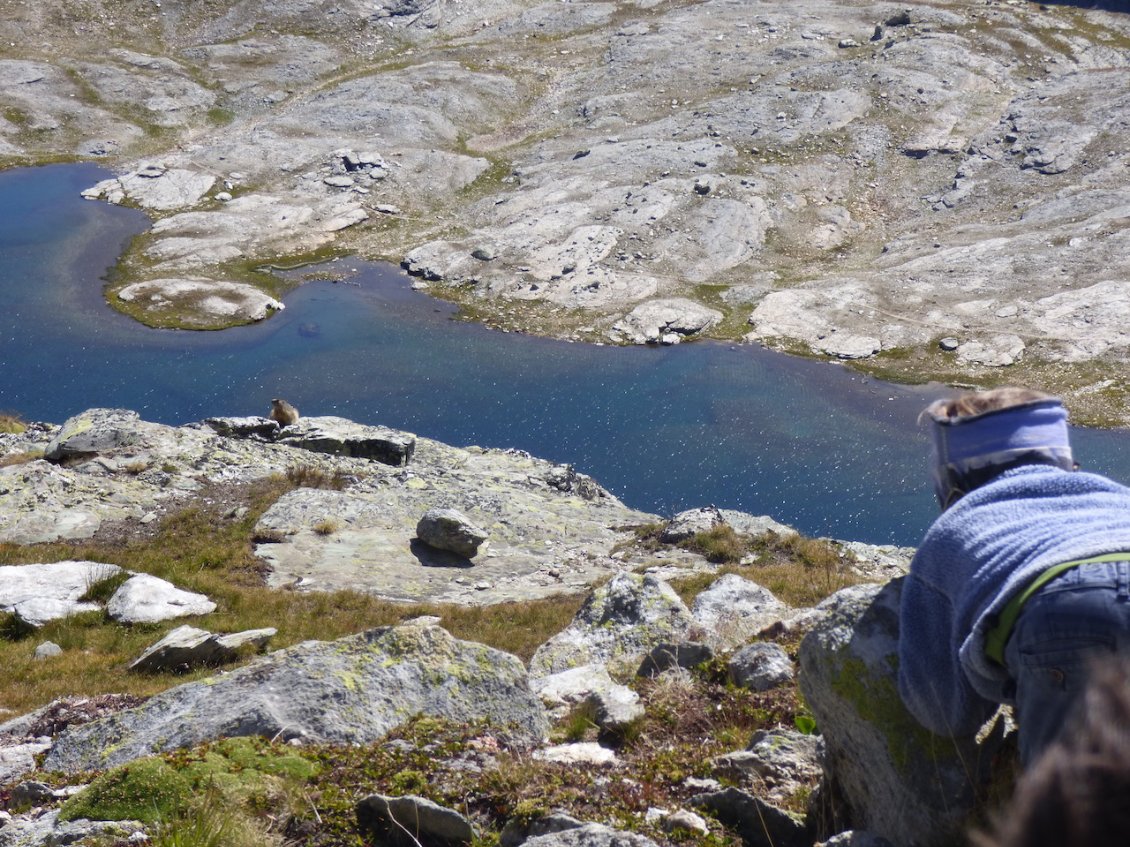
(997, 637)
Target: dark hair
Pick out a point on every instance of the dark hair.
(1078, 792)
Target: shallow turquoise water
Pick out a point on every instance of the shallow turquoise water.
(809, 443)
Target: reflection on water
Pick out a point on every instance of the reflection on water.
(811, 444)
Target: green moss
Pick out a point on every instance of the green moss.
(16, 116)
(162, 788)
(219, 116)
(148, 790)
(876, 700)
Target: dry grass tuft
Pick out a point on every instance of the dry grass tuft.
(11, 424)
(20, 458)
(305, 476)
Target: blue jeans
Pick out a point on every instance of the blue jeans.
(1081, 616)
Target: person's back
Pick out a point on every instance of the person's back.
(1015, 513)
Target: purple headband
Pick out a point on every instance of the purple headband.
(968, 449)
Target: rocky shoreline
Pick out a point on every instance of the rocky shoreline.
(928, 190)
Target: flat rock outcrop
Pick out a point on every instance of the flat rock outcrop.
(551, 528)
(543, 540)
(349, 691)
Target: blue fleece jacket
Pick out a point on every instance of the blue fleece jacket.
(980, 552)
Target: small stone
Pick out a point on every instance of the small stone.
(760, 667)
(687, 820)
(48, 649)
(949, 343)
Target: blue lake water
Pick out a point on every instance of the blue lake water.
(812, 444)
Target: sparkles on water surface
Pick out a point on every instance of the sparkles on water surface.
(811, 444)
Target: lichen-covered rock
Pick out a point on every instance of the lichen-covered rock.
(614, 705)
(896, 778)
(689, 523)
(46, 830)
(760, 666)
(780, 763)
(758, 823)
(518, 830)
(353, 690)
(618, 624)
(589, 835)
(552, 529)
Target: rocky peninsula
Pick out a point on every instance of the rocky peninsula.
(926, 189)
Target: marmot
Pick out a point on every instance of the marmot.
(283, 412)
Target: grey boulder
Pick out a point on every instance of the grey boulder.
(451, 530)
(589, 835)
(689, 523)
(758, 823)
(187, 647)
(733, 609)
(760, 666)
(617, 625)
(411, 822)
(354, 690)
(897, 779)
(780, 762)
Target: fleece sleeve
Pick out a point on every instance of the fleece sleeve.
(930, 678)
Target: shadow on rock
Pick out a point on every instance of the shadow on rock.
(430, 557)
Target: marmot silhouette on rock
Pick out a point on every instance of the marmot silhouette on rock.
(282, 412)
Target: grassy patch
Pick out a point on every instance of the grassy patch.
(11, 424)
(21, 458)
(231, 792)
(799, 570)
(205, 548)
(219, 116)
(101, 590)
